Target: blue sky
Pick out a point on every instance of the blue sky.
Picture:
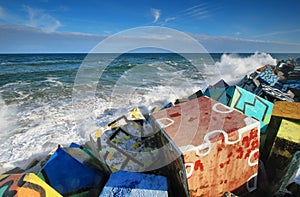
(77, 26)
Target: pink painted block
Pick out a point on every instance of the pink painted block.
(220, 145)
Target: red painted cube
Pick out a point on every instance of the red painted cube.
(220, 145)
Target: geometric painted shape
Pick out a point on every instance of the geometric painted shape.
(268, 76)
(220, 92)
(273, 94)
(25, 185)
(215, 140)
(281, 110)
(253, 106)
(71, 172)
(251, 85)
(133, 115)
(191, 97)
(195, 95)
(286, 144)
(131, 147)
(134, 184)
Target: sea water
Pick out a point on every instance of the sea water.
(39, 105)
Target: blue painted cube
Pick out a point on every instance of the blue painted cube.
(134, 184)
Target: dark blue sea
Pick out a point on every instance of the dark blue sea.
(50, 99)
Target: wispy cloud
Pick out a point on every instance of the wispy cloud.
(199, 11)
(275, 33)
(41, 19)
(170, 19)
(20, 39)
(156, 14)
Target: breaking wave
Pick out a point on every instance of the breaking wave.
(233, 67)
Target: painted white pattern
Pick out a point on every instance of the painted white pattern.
(250, 156)
(162, 125)
(207, 143)
(191, 165)
(227, 111)
(250, 189)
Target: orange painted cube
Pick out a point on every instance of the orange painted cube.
(220, 145)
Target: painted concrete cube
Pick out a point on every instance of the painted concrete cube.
(134, 184)
(286, 143)
(220, 145)
(253, 106)
(191, 97)
(128, 143)
(137, 146)
(72, 172)
(220, 92)
(131, 147)
(251, 84)
(291, 179)
(283, 138)
(268, 76)
(289, 113)
(133, 115)
(288, 110)
(25, 185)
(274, 94)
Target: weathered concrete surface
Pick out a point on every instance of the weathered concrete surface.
(220, 92)
(219, 145)
(71, 171)
(134, 184)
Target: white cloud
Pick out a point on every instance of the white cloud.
(277, 33)
(156, 14)
(170, 19)
(199, 11)
(18, 39)
(24, 39)
(40, 19)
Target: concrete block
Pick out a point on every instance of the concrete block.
(131, 147)
(268, 76)
(252, 85)
(220, 92)
(133, 115)
(219, 145)
(289, 110)
(282, 110)
(274, 94)
(286, 143)
(135, 145)
(253, 106)
(191, 97)
(134, 184)
(290, 182)
(72, 172)
(27, 184)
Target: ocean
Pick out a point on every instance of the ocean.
(51, 99)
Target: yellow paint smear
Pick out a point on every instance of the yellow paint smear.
(290, 131)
